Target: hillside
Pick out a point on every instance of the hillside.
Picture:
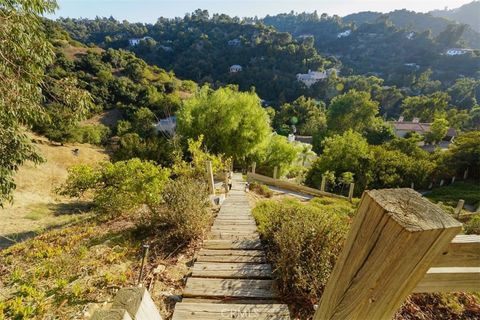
(36, 206)
(415, 21)
(468, 14)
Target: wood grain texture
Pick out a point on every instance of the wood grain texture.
(216, 311)
(394, 239)
(463, 251)
(232, 270)
(291, 186)
(232, 288)
(450, 280)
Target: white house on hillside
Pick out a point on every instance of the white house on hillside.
(167, 125)
(235, 68)
(312, 77)
(234, 42)
(344, 34)
(457, 51)
(136, 41)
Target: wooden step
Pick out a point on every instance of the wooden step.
(233, 244)
(224, 228)
(233, 236)
(216, 311)
(232, 258)
(232, 270)
(232, 288)
(249, 253)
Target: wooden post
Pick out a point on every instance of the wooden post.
(465, 174)
(226, 175)
(459, 208)
(275, 171)
(210, 181)
(453, 179)
(412, 185)
(324, 181)
(394, 238)
(137, 302)
(254, 165)
(350, 191)
(442, 182)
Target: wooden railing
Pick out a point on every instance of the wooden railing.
(291, 186)
(399, 243)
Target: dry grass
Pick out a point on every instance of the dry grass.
(108, 118)
(35, 204)
(73, 53)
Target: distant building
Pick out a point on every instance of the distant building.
(304, 139)
(234, 42)
(136, 41)
(312, 77)
(457, 51)
(410, 35)
(344, 34)
(402, 128)
(235, 68)
(167, 125)
(305, 36)
(412, 65)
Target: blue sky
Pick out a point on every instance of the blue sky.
(150, 10)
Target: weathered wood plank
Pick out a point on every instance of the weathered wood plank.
(233, 288)
(234, 227)
(229, 258)
(230, 236)
(215, 311)
(248, 253)
(291, 186)
(232, 270)
(229, 301)
(450, 280)
(394, 239)
(247, 244)
(463, 251)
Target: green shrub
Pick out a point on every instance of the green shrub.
(119, 187)
(260, 189)
(304, 241)
(473, 226)
(93, 134)
(187, 212)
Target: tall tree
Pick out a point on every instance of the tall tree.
(353, 110)
(24, 54)
(232, 122)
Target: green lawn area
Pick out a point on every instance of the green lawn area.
(449, 195)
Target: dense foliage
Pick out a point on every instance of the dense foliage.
(303, 242)
(232, 122)
(24, 54)
(120, 187)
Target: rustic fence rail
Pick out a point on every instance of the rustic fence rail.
(291, 186)
(399, 243)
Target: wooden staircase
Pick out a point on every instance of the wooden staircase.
(231, 278)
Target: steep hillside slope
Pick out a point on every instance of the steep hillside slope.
(468, 13)
(36, 206)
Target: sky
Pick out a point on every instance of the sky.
(150, 10)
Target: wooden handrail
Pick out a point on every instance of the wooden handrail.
(291, 186)
(395, 237)
(450, 280)
(463, 251)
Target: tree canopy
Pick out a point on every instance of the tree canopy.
(232, 122)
